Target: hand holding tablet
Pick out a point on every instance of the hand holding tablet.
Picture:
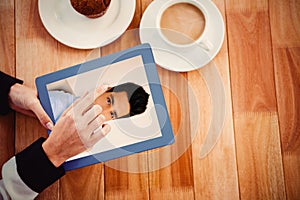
(76, 129)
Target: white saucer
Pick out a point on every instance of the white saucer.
(77, 31)
(182, 59)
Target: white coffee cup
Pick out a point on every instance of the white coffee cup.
(180, 11)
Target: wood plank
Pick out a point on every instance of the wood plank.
(287, 75)
(127, 177)
(135, 23)
(286, 40)
(259, 156)
(84, 183)
(7, 56)
(285, 23)
(173, 181)
(246, 5)
(38, 53)
(215, 175)
(254, 105)
(251, 64)
(7, 65)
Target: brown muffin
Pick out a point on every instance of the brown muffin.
(91, 8)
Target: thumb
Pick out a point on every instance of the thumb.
(42, 116)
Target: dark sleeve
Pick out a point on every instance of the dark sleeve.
(35, 169)
(6, 82)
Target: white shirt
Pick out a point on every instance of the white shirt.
(12, 186)
(60, 101)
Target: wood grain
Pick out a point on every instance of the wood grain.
(287, 73)
(7, 65)
(285, 23)
(256, 125)
(238, 5)
(251, 63)
(175, 180)
(84, 183)
(127, 178)
(7, 32)
(245, 5)
(259, 156)
(286, 51)
(215, 175)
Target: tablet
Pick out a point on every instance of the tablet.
(129, 135)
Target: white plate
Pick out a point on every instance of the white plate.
(182, 59)
(77, 31)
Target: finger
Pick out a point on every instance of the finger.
(98, 135)
(71, 106)
(84, 104)
(41, 115)
(96, 123)
(89, 99)
(92, 113)
(78, 100)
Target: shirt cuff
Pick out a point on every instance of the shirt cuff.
(12, 186)
(6, 82)
(35, 168)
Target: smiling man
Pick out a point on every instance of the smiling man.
(121, 101)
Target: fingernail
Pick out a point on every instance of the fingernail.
(105, 129)
(49, 125)
(98, 107)
(102, 117)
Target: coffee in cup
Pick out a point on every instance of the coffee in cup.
(182, 23)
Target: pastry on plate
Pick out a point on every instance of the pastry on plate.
(91, 8)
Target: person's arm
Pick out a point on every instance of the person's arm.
(29, 172)
(12, 186)
(6, 82)
(15, 96)
(24, 175)
(39, 165)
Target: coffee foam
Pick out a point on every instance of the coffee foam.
(182, 23)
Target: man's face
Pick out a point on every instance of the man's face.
(114, 104)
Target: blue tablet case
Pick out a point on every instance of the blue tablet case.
(143, 50)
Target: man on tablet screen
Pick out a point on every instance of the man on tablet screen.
(125, 100)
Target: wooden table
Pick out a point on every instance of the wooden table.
(257, 155)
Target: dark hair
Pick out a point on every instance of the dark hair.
(138, 97)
